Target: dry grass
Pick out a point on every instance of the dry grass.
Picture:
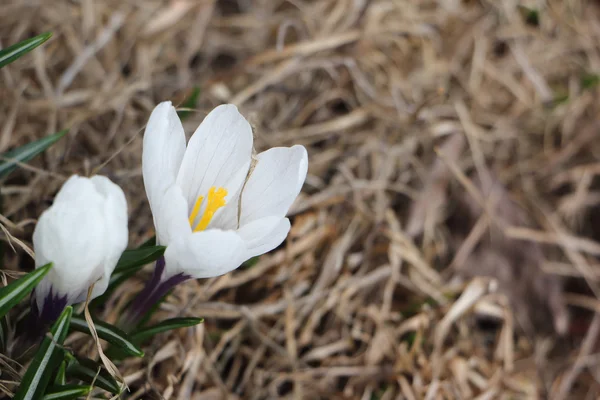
(452, 194)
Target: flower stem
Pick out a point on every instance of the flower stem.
(142, 297)
(154, 290)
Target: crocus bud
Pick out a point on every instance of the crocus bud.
(83, 234)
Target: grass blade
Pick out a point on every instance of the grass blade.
(17, 50)
(148, 243)
(60, 374)
(89, 371)
(132, 259)
(11, 159)
(14, 292)
(3, 333)
(167, 325)
(108, 332)
(67, 392)
(46, 360)
(130, 262)
(189, 104)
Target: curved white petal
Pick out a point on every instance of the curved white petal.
(115, 216)
(72, 235)
(205, 254)
(78, 189)
(170, 216)
(163, 150)
(264, 235)
(274, 183)
(220, 148)
(227, 217)
(113, 195)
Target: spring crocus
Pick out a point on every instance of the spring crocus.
(214, 204)
(83, 234)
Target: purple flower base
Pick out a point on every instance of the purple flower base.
(53, 305)
(35, 325)
(154, 290)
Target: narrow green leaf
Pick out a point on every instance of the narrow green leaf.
(86, 370)
(15, 51)
(130, 262)
(559, 98)
(46, 360)
(589, 81)
(108, 332)
(67, 392)
(14, 292)
(2, 243)
(189, 103)
(11, 159)
(166, 325)
(132, 259)
(60, 374)
(250, 263)
(149, 243)
(115, 280)
(4, 331)
(531, 16)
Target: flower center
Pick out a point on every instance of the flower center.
(215, 200)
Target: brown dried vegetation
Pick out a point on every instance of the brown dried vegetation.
(446, 241)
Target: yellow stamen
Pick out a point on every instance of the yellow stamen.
(214, 200)
(196, 210)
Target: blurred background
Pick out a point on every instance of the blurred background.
(446, 242)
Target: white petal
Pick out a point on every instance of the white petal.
(78, 189)
(163, 150)
(72, 235)
(264, 235)
(205, 254)
(220, 148)
(115, 216)
(170, 216)
(226, 218)
(274, 183)
(113, 196)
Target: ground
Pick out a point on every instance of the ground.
(445, 243)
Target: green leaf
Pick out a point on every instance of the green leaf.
(67, 392)
(86, 370)
(531, 16)
(2, 244)
(589, 81)
(108, 332)
(15, 51)
(190, 102)
(14, 292)
(115, 280)
(11, 159)
(149, 243)
(166, 325)
(130, 262)
(4, 331)
(60, 374)
(250, 263)
(46, 360)
(137, 258)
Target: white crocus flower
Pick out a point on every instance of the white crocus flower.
(83, 234)
(211, 209)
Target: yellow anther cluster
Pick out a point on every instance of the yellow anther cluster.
(215, 200)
